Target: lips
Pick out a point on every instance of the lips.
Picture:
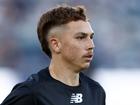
(88, 57)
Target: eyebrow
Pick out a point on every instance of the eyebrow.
(84, 34)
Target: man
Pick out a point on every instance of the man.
(67, 38)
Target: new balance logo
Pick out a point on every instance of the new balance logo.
(76, 98)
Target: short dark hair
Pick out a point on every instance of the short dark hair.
(55, 17)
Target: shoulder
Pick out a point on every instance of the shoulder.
(27, 90)
(20, 93)
(92, 83)
(34, 81)
(94, 88)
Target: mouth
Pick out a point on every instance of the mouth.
(88, 57)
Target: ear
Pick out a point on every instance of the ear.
(55, 44)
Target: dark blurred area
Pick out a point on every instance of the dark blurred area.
(115, 23)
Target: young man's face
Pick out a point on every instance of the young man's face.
(77, 44)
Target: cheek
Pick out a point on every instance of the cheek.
(72, 50)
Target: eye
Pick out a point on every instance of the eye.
(80, 37)
(91, 37)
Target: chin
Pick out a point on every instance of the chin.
(85, 66)
(82, 67)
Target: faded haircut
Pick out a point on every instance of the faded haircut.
(55, 17)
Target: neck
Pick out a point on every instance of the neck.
(63, 73)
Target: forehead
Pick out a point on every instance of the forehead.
(80, 26)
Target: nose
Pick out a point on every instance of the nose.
(90, 45)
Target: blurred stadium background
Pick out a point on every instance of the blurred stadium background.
(116, 65)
